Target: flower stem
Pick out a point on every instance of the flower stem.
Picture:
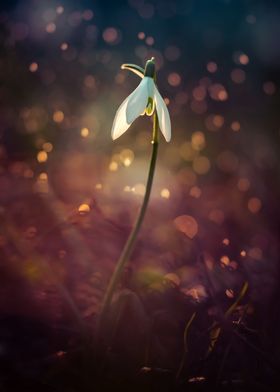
(128, 248)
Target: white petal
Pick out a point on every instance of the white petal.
(120, 124)
(151, 87)
(137, 101)
(163, 116)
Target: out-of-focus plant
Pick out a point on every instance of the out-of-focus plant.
(216, 328)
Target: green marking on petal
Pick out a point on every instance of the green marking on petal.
(150, 107)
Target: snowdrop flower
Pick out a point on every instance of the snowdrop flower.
(145, 99)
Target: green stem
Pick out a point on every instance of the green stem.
(124, 257)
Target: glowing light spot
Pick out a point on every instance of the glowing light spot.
(243, 184)
(198, 141)
(195, 192)
(235, 126)
(84, 208)
(111, 36)
(238, 76)
(254, 205)
(243, 253)
(127, 157)
(127, 162)
(224, 260)
(41, 185)
(150, 41)
(216, 216)
(212, 67)
(59, 10)
(226, 241)
(60, 354)
(197, 293)
(218, 120)
(42, 156)
(165, 193)
(222, 95)
(199, 93)
(98, 186)
(127, 188)
(217, 92)
(33, 67)
(141, 35)
(269, 88)
(50, 28)
(48, 147)
(201, 165)
(187, 225)
(167, 101)
(243, 59)
(84, 132)
(139, 189)
(174, 79)
(58, 116)
(64, 46)
(113, 166)
(43, 177)
(230, 293)
(214, 122)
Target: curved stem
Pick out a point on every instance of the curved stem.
(124, 257)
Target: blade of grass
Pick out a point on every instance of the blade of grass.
(216, 328)
(185, 337)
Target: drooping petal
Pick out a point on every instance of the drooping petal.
(120, 124)
(163, 115)
(137, 101)
(151, 87)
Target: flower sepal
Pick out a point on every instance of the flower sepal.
(139, 71)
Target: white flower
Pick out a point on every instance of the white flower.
(144, 99)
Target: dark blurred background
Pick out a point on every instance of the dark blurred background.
(69, 194)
